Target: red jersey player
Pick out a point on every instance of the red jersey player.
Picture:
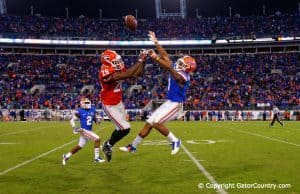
(111, 74)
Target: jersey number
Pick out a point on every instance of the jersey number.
(89, 120)
(118, 87)
(105, 72)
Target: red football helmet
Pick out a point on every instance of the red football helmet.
(111, 58)
(186, 63)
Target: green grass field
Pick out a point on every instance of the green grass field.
(231, 153)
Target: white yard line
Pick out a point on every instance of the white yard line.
(203, 170)
(262, 136)
(39, 156)
(192, 160)
(35, 158)
(266, 137)
(8, 143)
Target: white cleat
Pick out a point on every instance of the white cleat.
(99, 160)
(128, 148)
(64, 160)
(175, 147)
(124, 149)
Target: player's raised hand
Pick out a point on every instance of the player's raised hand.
(152, 37)
(152, 54)
(143, 55)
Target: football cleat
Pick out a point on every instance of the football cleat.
(99, 160)
(64, 160)
(128, 148)
(175, 147)
(107, 149)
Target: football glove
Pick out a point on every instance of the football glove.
(76, 130)
(152, 37)
(143, 55)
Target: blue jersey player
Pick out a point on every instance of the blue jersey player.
(87, 115)
(178, 83)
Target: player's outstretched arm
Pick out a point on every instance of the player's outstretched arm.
(177, 77)
(140, 64)
(163, 60)
(72, 122)
(161, 51)
(73, 119)
(134, 71)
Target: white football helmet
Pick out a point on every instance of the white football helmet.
(85, 103)
(186, 63)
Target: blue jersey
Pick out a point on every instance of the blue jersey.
(176, 93)
(86, 117)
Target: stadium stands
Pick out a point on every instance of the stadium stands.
(231, 82)
(199, 28)
(238, 81)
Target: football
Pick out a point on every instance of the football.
(130, 22)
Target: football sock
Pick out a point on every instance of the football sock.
(97, 152)
(113, 137)
(172, 137)
(117, 135)
(137, 141)
(68, 155)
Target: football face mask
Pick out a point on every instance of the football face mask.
(85, 103)
(111, 58)
(186, 63)
(117, 63)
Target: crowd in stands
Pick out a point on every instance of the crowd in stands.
(242, 81)
(199, 28)
(220, 82)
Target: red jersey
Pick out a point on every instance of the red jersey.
(111, 92)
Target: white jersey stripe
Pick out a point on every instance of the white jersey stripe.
(167, 115)
(89, 135)
(170, 116)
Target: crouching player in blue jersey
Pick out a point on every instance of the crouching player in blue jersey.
(178, 82)
(87, 115)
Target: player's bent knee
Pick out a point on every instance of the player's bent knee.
(148, 124)
(125, 132)
(126, 126)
